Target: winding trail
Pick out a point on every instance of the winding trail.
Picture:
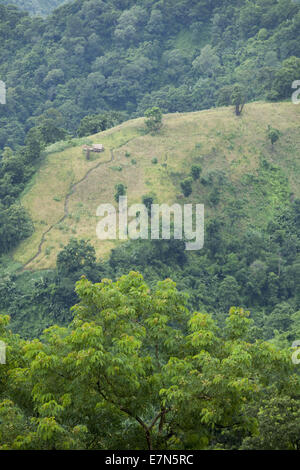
(66, 209)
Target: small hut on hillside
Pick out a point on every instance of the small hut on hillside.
(97, 148)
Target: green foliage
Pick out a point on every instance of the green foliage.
(278, 424)
(214, 197)
(135, 370)
(34, 144)
(238, 99)
(273, 135)
(234, 95)
(51, 132)
(77, 255)
(132, 57)
(196, 172)
(186, 186)
(15, 225)
(99, 122)
(120, 191)
(148, 200)
(284, 77)
(153, 119)
(16, 169)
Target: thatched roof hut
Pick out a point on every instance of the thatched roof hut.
(97, 148)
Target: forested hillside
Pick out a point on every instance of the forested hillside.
(35, 7)
(251, 195)
(90, 56)
(142, 344)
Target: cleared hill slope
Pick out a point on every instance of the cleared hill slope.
(242, 176)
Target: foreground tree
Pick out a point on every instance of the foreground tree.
(136, 371)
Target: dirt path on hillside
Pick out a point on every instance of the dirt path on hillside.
(66, 203)
(66, 208)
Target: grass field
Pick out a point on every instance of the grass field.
(216, 139)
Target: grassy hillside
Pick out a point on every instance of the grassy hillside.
(238, 163)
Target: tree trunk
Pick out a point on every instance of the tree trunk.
(149, 440)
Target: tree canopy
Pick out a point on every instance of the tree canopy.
(135, 370)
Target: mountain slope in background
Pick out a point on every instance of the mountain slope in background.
(92, 56)
(35, 7)
(244, 182)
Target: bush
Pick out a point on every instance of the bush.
(120, 191)
(148, 201)
(186, 186)
(214, 197)
(196, 171)
(153, 119)
(273, 135)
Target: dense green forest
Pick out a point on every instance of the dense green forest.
(92, 56)
(152, 347)
(135, 370)
(35, 7)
